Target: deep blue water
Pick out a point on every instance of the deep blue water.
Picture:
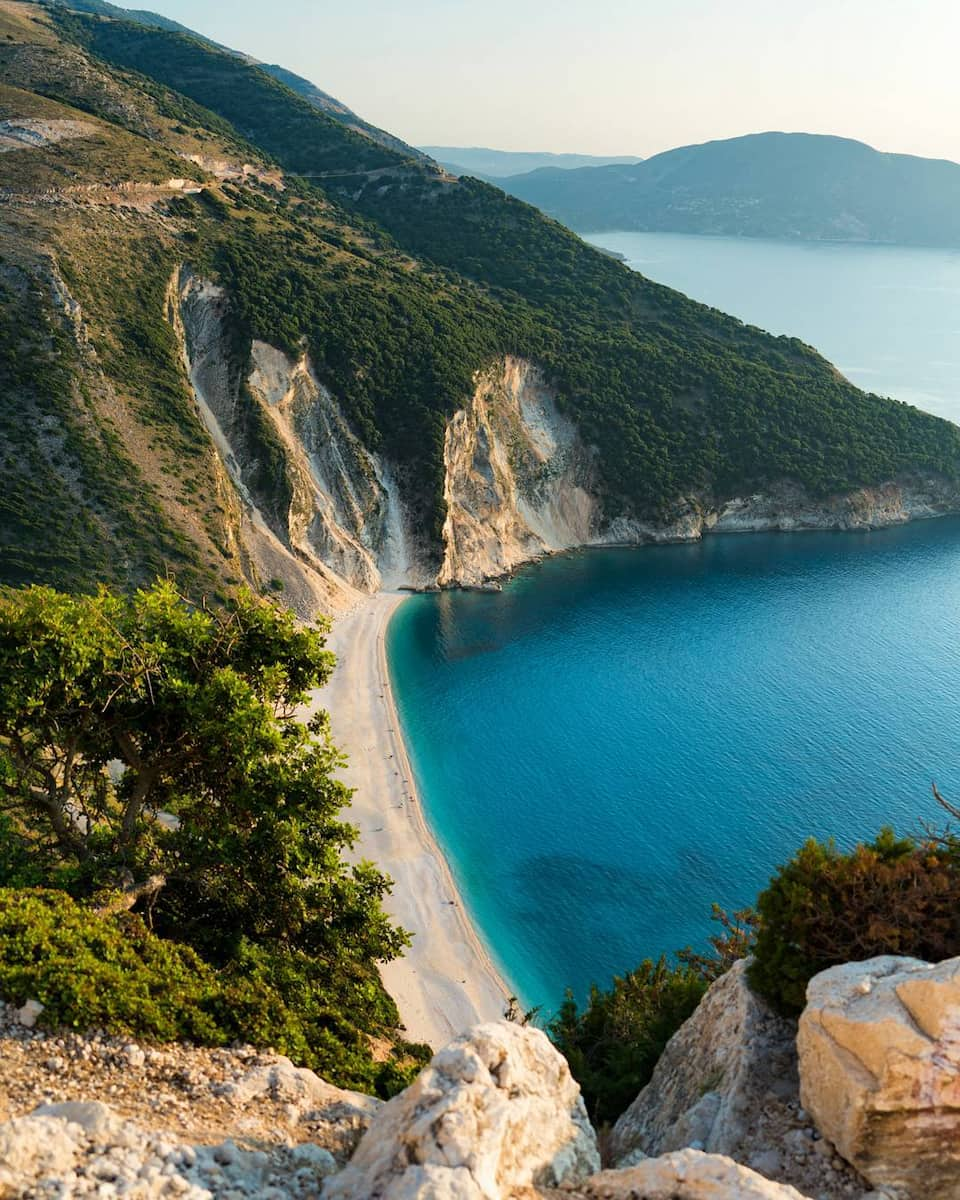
(622, 737)
(888, 316)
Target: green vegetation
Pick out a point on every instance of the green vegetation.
(613, 1045)
(676, 396)
(614, 1042)
(825, 907)
(402, 285)
(222, 827)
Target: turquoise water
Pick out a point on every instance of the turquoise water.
(888, 316)
(620, 737)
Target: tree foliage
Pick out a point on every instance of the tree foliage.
(826, 906)
(151, 757)
(613, 1043)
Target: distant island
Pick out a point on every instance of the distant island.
(484, 163)
(775, 185)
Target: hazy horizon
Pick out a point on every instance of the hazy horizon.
(620, 77)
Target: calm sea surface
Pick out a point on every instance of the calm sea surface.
(620, 737)
(887, 316)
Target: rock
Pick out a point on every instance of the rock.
(687, 1175)
(714, 1078)
(33, 1148)
(134, 1056)
(336, 1118)
(96, 1119)
(27, 1016)
(495, 1112)
(879, 1047)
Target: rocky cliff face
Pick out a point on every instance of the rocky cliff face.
(321, 514)
(324, 515)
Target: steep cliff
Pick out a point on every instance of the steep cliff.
(320, 513)
(519, 483)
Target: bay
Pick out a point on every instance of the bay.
(623, 737)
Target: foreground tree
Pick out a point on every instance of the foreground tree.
(151, 757)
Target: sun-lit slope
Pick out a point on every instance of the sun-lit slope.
(398, 283)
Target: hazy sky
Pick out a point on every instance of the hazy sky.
(615, 76)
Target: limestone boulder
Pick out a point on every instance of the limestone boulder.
(879, 1050)
(720, 1077)
(495, 1112)
(687, 1175)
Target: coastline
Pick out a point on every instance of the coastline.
(446, 981)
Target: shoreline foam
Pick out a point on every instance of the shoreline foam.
(446, 981)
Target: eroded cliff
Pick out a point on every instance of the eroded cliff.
(321, 517)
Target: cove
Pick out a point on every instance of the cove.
(622, 737)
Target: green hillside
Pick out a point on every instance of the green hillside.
(401, 282)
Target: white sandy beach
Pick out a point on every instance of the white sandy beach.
(446, 981)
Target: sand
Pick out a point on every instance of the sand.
(446, 981)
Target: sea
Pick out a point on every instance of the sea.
(621, 739)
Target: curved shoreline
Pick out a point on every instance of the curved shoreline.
(446, 981)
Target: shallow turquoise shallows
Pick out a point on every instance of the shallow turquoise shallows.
(622, 737)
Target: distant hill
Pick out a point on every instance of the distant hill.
(777, 185)
(484, 163)
(303, 87)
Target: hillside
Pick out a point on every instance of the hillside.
(775, 185)
(485, 163)
(245, 341)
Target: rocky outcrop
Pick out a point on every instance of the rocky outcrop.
(86, 1149)
(879, 1046)
(715, 1075)
(495, 1112)
(727, 1084)
(320, 512)
(324, 515)
(687, 1175)
(520, 483)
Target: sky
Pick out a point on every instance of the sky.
(615, 76)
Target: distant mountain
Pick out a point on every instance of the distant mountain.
(484, 163)
(777, 185)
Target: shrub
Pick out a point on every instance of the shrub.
(111, 972)
(824, 907)
(613, 1045)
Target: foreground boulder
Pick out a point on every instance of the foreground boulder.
(727, 1084)
(879, 1047)
(687, 1175)
(497, 1111)
(721, 1066)
(86, 1149)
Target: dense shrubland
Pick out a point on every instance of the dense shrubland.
(153, 770)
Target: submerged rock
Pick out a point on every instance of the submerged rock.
(879, 1047)
(495, 1112)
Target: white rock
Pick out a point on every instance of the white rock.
(687, 1175)
(36, 1146)
(496, 1111)
(880, 1070)
(27, 1016)
(714, 1077)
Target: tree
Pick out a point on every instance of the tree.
(151, 756)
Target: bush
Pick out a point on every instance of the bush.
(613, 1045)
(113, 973)
(109, 972)
(825, 907)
